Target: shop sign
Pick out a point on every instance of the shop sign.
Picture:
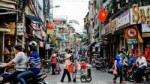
(114, 25)
(46, 6)
(132, 41)
(140, 15)
(123, 19)
(131, 32)
(145, 28)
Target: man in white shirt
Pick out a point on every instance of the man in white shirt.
(141, 67)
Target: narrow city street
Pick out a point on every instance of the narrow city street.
(108, 33)
(98, 77)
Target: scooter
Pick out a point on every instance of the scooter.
(38, 79)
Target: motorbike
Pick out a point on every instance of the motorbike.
(38, 79)
(145, 75)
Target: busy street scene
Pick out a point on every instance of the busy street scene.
(74, 41)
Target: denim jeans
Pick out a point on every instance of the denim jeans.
(10, 77)
(119, 73)
(22, 76)
(137, 76)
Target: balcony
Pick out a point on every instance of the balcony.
(10, 4)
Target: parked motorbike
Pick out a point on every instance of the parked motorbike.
(38, 79)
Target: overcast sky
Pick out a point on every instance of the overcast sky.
(73, 9)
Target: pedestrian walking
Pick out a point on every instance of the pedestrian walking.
(66, 64)
(54, 62)
(118, 67)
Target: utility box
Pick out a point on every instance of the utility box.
(20, 29)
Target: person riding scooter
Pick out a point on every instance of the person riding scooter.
(142, 65)
(34, 65)
(20, 61)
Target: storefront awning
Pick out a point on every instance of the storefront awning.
(4, 30)
(34, 18)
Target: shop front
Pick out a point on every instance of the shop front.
(146, 41)
(140, 17)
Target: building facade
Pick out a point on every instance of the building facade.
(126, 27)
(22, 21)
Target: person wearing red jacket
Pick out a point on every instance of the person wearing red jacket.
(54, 62)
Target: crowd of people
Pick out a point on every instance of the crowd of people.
(124, 63)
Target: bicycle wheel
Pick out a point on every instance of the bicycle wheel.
(88, 78)
(83, 78)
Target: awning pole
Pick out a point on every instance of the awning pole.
(5, 13)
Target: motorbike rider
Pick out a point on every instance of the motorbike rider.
(142, 65)
(20, 61)
(131, 61)
(34, 65)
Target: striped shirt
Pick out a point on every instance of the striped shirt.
(34, 61)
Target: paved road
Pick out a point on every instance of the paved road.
(98, 78)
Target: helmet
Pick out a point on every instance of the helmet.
(33, 43)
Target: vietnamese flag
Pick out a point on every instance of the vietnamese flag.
(49, 25)
(102, 15)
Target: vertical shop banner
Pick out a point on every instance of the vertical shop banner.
(46, 6)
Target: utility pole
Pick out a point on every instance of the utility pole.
(19, 34)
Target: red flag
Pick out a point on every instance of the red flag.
(49, 25)
(57, 22)
(102, 15)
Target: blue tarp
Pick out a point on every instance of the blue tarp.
(34, 18)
